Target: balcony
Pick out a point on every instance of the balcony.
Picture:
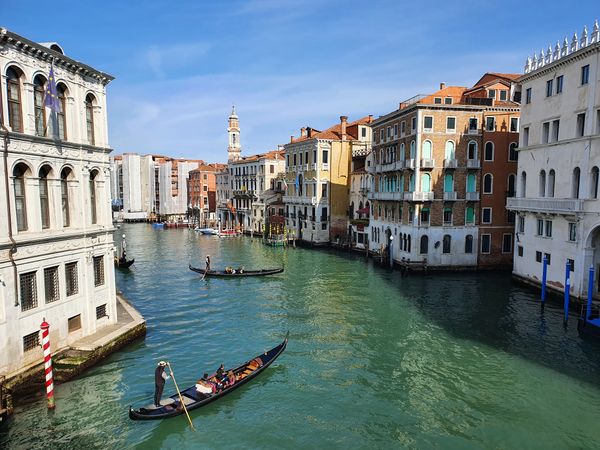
(546, 205)
(393, 196)
(427, 163)
(399, 165)
(472, 196)
(473, 164)
(244, 193)
(409, 164)
(450, 164)
(418, 196)
(390, 167)
(450, 196)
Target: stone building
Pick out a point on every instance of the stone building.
(56, 259)
(202, 193)
(557, 206)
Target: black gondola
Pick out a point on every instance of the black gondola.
(243, 273)
(123, 264)
(589, 327)
(193, 399)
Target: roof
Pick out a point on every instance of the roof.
(273, 154)
(334, 132)
(456, 92)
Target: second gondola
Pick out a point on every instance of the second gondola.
(236, 272)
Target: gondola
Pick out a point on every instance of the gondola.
(123, 264)
(588, 327)
(192, 399)
(243, 273)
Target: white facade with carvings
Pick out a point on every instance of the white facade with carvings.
(56, 234)
(557, 205)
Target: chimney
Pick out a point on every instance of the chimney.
(442, 86)
(308, 131)
(291, 138)
(343, 122)
(303, 131)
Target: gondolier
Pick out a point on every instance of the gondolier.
(160, 376)
(207, 262)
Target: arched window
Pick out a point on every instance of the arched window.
(511, 185)
(426, 153)
(472, 150)
(487, 183)
(594, 183)
(61, 116)
(89, 118)
(448, 183)
(13, 91)
(449, 151)
(411, 183)
(64, 195)
(413, 150)
(39, 83)
(542, 183)
(446, 243)
(93, 209)
(19, 173)
(44, 196)
(471, 182)
(470, 215)
(424, 245)
(576, 180)
(425, 182)
(489, 151)
(469, 243)
(402, 153)
(513, 154)
(551, 178)
(523, 184)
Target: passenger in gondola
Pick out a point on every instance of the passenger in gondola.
(204, 386)
(220, 373)
(240, 269)
(230, 380)
(228, 270)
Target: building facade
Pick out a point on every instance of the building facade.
(557, 203)
(56, 259)
(202, 193)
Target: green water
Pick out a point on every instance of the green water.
(461, 361)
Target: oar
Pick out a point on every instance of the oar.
(180, 397)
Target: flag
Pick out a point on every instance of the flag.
(51, 99)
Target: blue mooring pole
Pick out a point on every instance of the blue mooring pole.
(588, 310)
(544, 277)
(567, 291)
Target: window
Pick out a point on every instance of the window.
(51, 284)
(472, 150)
(424, 217)
(31, 341)
(514, 124)
(521, 224)
(395, 130)
(492, 93)
(324, 215)
(92, 184)
(28, 291)
(489, 151)
(545, 132)
(490, 124)
(424, 245)
(19, 189)
(471, 182)
(486, 243)
(487, 183)
(594, 183)
(413, 124)
(542, 183)
(520, 250)
(101, 312)
(486, 215)
(550, 190)
(449, 150)
(580, 131)
(427, 151)
(468, 243)
(413, 149)
(98, 270)
(448, 182)
(575, 186)
(506, 243)
(64, 194)
(571, 263)
(437, 100)
(549, 88)
(89, 118)
(548, 228)
(38, 105)
(325, 157)
(528, 95)
(448, 100)
(555, 127)
(446, 243)
(13, 90)
(572, 232)
(470, 215)
(324, 190)
(538, 256)
(540, 227)
(74, 323)
(71, 278)
(513, 155)
(585, 74)
(525, 136)
(447, 216)
(559, 84)
(425, 182)
(473, 125)
(44, 201)
(547, 256)
(451, 124)
(402, 128)
(503, 95)
(428, 123)
(295, 156)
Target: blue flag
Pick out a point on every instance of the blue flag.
(51, 100)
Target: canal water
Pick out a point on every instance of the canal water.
(374, 360)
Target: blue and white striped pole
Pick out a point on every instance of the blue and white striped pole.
(588, 310)
(544, 277)
(567, 291)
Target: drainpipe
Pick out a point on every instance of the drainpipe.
(13, 247)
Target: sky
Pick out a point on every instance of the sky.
(179, 66)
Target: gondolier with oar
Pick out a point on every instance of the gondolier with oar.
(160, 376)
(207, 263)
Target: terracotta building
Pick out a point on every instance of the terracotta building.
(202, 190)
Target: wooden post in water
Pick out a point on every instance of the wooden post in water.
(567, 291)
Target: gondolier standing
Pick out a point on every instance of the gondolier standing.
(160, 376)
(207, 263)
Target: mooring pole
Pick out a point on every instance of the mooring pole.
(567, 291)
(48, 364)
(544, 278)
(588, 310)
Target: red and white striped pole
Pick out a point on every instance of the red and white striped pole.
(48, 364)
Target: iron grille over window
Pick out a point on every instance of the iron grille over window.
(100, 311)
(98, 270)
(51, 284)
(28, 291)
(71, 278)
(31, 341)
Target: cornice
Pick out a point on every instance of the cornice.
(54, 142)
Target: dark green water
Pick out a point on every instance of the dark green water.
(461, 361)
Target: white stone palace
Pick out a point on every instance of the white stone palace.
(557, 206)
(56, 233)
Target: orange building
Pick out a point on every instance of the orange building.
(202, 189)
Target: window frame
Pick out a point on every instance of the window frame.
(484, 210)
(489, 242)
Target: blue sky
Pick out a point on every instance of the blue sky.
(180, 65)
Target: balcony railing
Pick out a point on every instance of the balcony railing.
(427, 163)
(450, 196)
(389, 167)
(325, 166)
(450, 164)
(547, 205)
(418, 196)
(473, 164)
(472, 196)
(396, 196)
(409, 164)
(399, 165)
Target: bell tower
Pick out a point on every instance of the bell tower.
(234, 149)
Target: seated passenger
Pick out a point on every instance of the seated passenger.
(240, 269)
(230, 378)
(204, 386)
(220, 375)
